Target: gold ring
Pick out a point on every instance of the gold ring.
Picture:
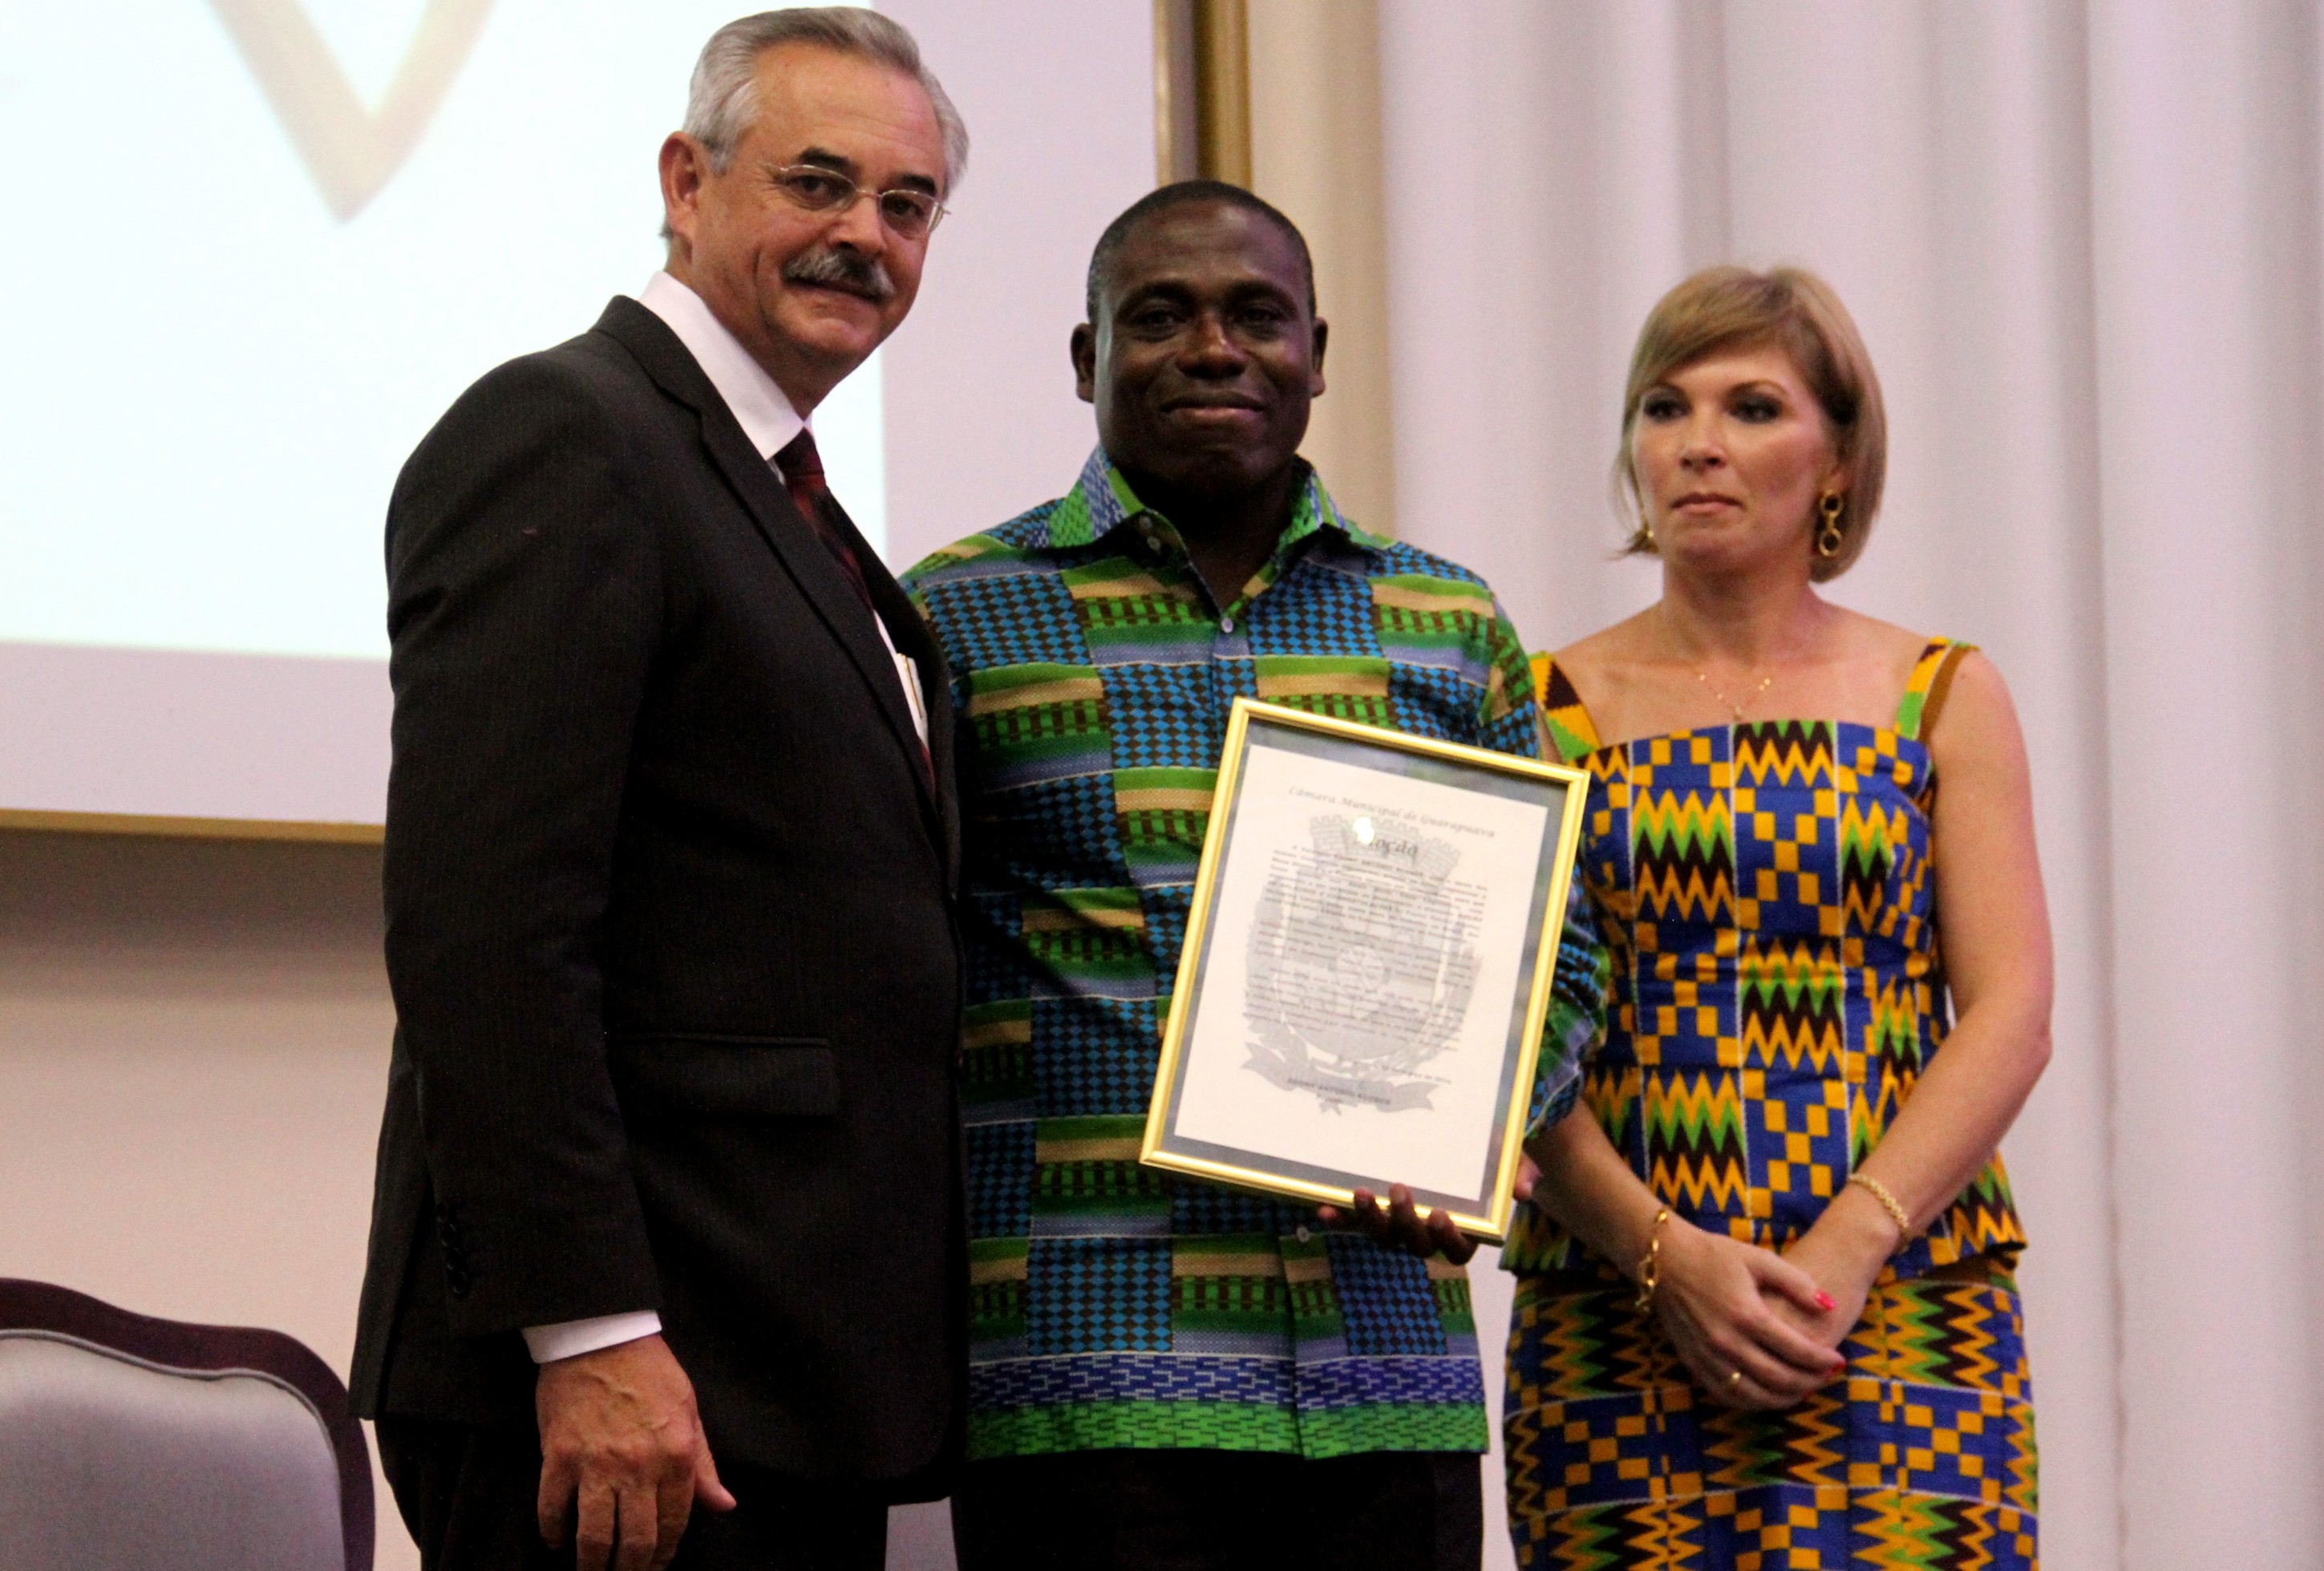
(1734, 1378)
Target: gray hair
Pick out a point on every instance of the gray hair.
(723, 99)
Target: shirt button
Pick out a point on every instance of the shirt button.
(1301, 1232)
(1226, 624)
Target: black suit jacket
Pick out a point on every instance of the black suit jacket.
(669, 930)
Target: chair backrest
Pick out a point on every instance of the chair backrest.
(139, 1445)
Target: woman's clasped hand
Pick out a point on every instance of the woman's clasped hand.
(1752, 1328)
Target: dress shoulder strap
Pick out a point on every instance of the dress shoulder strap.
(1932, 680)
(1571, 731)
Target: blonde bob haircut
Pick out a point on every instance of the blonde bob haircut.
(1722, 309)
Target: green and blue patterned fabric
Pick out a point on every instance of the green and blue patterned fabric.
(1113, 1305)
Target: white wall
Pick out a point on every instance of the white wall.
(193, 1053)
(982, 422)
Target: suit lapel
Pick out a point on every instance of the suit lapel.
(792, 538)
(914, 638)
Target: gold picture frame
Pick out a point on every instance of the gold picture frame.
(1356, 960)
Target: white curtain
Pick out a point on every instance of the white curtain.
(2083, 244)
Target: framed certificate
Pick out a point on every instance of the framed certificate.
(1367, 966)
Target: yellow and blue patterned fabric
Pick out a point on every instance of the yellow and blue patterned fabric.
(1113, 1305)
(1921, 1456)
(1767, 894)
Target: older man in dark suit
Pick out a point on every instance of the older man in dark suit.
(668, 1210)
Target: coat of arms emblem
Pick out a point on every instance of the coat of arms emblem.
(1362, 963)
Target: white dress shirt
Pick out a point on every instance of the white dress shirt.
(767, 418)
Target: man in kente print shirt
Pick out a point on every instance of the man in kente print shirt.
(1166, 1372)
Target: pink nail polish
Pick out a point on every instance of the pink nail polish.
(1823, 1301)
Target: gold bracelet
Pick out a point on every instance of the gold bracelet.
(1879, 1191)
(1650, 1265)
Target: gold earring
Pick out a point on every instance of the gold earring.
(1829, 538)
(1646, 533)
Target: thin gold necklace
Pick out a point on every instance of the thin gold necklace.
(1729, 704)
(1764, 683)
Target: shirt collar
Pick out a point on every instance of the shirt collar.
(1101, 501)
(758, 405)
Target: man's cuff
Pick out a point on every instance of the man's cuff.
(572, 1338)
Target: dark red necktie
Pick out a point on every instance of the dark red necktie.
(802, 470)
(802, 467)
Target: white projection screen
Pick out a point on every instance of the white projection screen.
(259, 245)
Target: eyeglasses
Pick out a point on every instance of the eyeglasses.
(910, 215)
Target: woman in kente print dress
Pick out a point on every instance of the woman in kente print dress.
(1765, 1314)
